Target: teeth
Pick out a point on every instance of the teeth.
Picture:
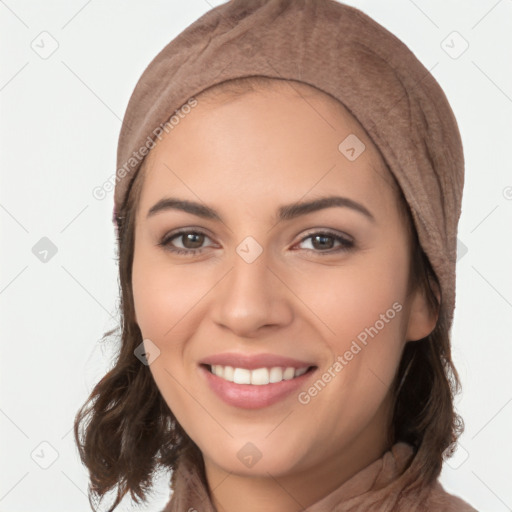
(276, 374)
(289, 373)
(300, 371)
(259, 376)
(242, 376)
(227, 373)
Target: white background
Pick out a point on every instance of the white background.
(60, 120)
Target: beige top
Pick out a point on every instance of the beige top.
(376, 488)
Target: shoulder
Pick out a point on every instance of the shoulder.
(441, 501)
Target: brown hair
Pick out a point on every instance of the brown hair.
(129, 432)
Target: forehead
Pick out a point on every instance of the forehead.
(279, 142)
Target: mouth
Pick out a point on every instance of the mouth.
(259, 386)
(258, 376)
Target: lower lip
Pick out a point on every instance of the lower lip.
(248, 396)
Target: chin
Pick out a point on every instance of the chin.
(257, 459)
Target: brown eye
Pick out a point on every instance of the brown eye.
(191, 242)
(324, 242)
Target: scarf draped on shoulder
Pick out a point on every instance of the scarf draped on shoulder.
(378, 488)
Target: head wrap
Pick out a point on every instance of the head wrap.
(343, 52)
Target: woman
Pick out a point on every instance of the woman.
(287, 197)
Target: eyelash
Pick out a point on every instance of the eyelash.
(347, 245)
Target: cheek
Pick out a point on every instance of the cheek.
(362, 312)
(349, 300)
(169, 304)
(163, 295)
(164, 300)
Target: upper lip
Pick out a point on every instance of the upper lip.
(253, 361)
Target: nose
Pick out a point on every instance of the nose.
(251, 298)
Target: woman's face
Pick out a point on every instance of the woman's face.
(265, 284)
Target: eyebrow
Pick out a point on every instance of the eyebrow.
(285, 212)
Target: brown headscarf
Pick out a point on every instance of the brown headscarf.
(344, 53)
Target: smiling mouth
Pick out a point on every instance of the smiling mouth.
(258, 376)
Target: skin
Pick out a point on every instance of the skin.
(245, 158)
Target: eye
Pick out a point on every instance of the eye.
(323, 241)
(191, 242)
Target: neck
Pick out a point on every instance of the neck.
(299, 489)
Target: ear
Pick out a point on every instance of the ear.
(422, 320)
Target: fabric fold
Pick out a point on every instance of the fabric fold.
(377, 488)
